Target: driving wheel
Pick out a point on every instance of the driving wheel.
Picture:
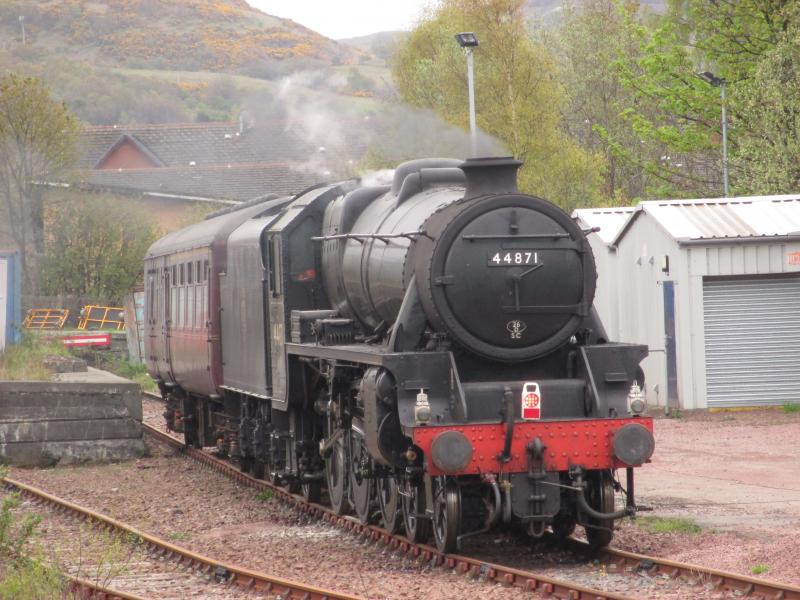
(446, 513)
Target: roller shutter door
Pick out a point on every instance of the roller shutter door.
(752, 336)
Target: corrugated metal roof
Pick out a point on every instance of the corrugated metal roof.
(609, 220)
(722, 218)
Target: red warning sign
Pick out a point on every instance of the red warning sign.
(531, 402)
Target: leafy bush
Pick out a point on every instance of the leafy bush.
(95, 247)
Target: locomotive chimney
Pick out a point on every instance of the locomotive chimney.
(497, 175)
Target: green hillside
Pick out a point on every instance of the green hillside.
(167, 34)
(124, 61)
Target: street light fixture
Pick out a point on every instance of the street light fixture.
(468, 40)
(720, 82)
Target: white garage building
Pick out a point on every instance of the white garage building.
(712, 286)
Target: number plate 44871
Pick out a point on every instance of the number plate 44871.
(506, 258)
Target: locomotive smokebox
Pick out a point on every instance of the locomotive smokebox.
(497, 175)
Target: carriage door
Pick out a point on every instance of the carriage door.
(167, 320)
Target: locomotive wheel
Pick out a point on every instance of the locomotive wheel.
(600, 497)
(336, 478)
(362, 488)
(312, 491)
(389, 502)
(259, 468)
(418, 530)
(446, 513)
(563, 525)
(245, 464)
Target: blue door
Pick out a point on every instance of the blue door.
(669, 344)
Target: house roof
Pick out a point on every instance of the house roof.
(235, 182)
(722, 219)
(210, 160)
(608, 220)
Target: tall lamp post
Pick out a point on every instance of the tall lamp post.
(719, 82)
(468, 40)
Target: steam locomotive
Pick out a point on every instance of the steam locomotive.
(426, 352)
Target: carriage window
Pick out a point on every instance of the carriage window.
(151, 294)
(182, 275)
(199, 277)
(189, 273)
(205, 270)
(275, 266)
(174, 275)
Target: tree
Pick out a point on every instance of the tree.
(768, 117)
(732, 38)
(95, 247)
(588, 45)
(37, 142)
(518, 97)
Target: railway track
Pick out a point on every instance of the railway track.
(616, 561)
(149, 567)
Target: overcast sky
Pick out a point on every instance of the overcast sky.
(339, 19)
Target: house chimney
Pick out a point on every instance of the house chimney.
(245, 122)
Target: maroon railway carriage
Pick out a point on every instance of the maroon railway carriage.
(183, 336)
(426, 352)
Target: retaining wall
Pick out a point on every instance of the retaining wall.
(43, 423)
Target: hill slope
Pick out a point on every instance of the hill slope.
(166, 34)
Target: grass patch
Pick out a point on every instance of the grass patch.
(265, 495)
(23, 361)
(668, 525)
(791, 407)
(759, 569)
(23, 577)
(179, 536)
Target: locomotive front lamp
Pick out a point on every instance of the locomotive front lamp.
(468, 40)
(636, 400)
(720, 82)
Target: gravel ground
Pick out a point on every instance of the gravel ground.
(737, 476)
(89, 553)
(738, 483)
(176, 498)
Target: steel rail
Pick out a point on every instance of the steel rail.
(87, 589)
(222, 571)
(740, 584)
(471, 567)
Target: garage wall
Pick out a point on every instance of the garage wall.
(726, 260)
(638, 295)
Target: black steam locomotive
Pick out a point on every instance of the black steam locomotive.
(425, 351)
